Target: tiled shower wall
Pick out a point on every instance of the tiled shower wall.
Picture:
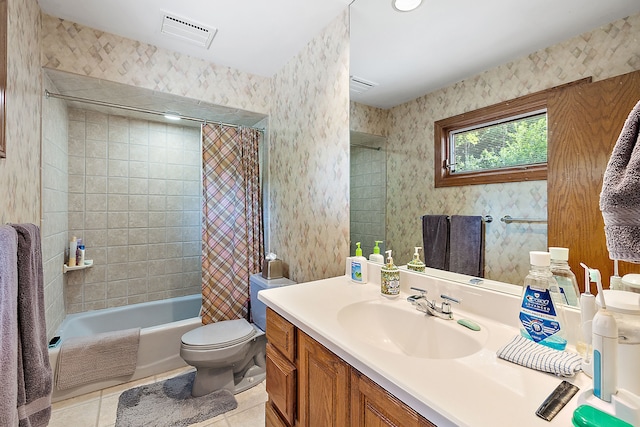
(134, 199)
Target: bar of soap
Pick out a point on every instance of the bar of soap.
(469, 324)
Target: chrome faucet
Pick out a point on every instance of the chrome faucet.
(430, 307)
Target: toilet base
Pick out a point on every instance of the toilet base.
(208, 380)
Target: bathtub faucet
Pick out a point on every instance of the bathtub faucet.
(430, 307)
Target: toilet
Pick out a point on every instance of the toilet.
(230, 354)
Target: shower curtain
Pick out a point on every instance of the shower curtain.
(232, 232)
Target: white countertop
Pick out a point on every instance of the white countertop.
(477, 390)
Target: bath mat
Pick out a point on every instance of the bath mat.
(170, 404)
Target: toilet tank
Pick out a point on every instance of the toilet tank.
(258, 308)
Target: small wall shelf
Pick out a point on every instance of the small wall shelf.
(87, 263)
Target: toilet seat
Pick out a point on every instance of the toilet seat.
(219, 335)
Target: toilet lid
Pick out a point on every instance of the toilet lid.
(220, 334)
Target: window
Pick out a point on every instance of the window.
(505, 142)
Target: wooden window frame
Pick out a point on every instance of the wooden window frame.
(3, 77)
(523, 105)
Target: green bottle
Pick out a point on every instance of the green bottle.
(416, 264)
(390, 283)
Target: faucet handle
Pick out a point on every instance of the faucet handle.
(446, 305)
(422, 291)
(414, 298)
(448, 298)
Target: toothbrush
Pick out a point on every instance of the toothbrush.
(605, 347)
(587, 312)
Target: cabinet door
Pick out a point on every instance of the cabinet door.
(281, 334)
(272, 417)
(372, 406)
(281, 386)
(323, 385)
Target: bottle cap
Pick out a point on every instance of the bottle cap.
(416, 255)
(358, 250)
(540, 259)
(376, 248)
(559, 254)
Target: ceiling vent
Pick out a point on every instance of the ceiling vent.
(185, 29)
(360, 85)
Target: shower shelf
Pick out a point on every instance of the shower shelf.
(87, 263)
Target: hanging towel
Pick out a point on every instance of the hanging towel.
(435, 241)
(35, 381)
(102, 356)
(525, 352)
(8, 326)
(620, 196)
(466, 245)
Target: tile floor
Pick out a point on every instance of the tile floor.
(98, 409)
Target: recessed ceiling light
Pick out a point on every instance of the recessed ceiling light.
(405, 5)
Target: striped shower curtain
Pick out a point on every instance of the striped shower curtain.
(232, 233)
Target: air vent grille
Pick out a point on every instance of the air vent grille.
(185, 29)
(360, 85)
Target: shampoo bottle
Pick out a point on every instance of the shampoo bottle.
(358, 266)
(73, 247)
(416, 264)
(390, 278)
(376, 256)
(541, 308)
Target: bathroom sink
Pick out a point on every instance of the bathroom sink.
(391, 327)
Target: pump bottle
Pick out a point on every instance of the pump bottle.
(416, 264)
(358, 266)
(564, 276)
(376, 256)
(390, 278)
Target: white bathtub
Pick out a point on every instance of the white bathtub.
(163, 323)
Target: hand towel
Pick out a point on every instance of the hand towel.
(35, 380)
(435, 241)
(466, 245)
(8, 326)
(620, 196)
(525, 352)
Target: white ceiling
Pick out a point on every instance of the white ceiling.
(407, 54)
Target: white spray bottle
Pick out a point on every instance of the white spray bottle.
(605, 347)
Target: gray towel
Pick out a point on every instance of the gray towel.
(620, 196)
(35, 380)
(435, 241)
(83, 360)
(466, 245)
(8, 326)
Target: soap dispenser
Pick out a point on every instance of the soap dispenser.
(416, 264)
(358, 266)
(390, 278)
(376, 256)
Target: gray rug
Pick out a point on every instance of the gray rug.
(169, 403)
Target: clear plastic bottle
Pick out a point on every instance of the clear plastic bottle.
(564, 276)
(541, 309)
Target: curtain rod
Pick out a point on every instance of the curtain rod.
(48, 94)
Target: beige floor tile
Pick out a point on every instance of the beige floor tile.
(252, 417)
(174, 373)
(78, 400)
(126, 386)
(108, 410)
(82, 415)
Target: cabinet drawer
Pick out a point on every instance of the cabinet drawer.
(281, 384)
(281, 334)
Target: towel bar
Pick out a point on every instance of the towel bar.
(485, 218)
(507, 219)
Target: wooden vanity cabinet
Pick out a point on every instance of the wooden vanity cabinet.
(314, 387)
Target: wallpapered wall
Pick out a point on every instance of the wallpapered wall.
(309, 157)
(604, 52)
(20, 171)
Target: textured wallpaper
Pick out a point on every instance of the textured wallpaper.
(605, 52)
(309, 157)
(20, 171)
(74, 48)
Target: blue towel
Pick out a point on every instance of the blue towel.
(466, 245)
(527, 353)
(435, 241)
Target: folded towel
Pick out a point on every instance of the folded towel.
(620, 196)
(435, 241)
(35, 381)
(8, 326)
(466, 245)
(542, 358)
(83, 360)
